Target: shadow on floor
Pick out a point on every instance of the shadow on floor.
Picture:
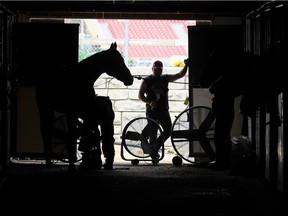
(36, 190)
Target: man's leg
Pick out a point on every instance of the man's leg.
(224, 114)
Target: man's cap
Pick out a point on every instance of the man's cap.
(157, 64)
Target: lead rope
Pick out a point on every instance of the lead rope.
(140, 77)
(108, 82)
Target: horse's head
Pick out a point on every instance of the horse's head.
(116, 66)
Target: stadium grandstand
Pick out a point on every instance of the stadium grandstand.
(140, 41)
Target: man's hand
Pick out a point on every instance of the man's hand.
(186, 61)
(153, 104)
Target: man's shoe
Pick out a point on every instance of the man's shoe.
(155, 158)
(108, 166)
(218, 166)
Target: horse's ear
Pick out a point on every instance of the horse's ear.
(113, 46)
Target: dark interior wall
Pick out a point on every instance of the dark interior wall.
(268, 34)
(41, 53)
(180, 9)
(40, 50)
(203, 40)
(6, 20)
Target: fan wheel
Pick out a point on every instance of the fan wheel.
(192, 135)
(141, 136)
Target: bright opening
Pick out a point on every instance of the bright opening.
(140, 41)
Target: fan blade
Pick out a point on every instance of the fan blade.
(180, 134)
(132, 135)
(191, 135)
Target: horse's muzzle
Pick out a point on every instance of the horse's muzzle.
(129, 81)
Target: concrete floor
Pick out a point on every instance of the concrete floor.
(33, 189)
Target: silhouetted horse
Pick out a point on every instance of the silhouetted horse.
(72, 93)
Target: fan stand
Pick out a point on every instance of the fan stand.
(142, 140)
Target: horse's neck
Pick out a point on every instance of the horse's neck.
(90, 69)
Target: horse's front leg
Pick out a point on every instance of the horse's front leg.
(106, 117)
